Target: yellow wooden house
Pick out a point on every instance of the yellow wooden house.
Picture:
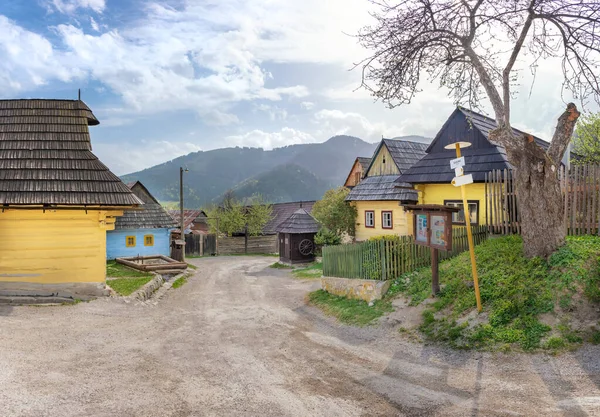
(57, 199)
(431, 176)
(379, 197)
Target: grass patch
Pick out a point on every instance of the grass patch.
(116, 270)
(251, 254)
(515, 291)
(126, 286)
(354, 312)
(314, 270)
(279, 265)
(192, 266)
(179, 282)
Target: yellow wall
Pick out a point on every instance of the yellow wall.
(437, 193)
(58, 246)
(401, 219)
(379, 168)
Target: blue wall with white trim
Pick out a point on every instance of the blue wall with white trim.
(116, 245)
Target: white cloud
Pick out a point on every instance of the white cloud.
(270, 140)
(274, 112)
(71, 6)
(124, 158)
(336, 122)
(307, 105)
(94, 24)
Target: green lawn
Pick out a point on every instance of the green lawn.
(314, 270)
(516, 294)
(354, 312)
(126, 286)
(279, 265)
(116, 270)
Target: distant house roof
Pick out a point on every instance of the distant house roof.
(299, 222)
(46, 157)
(151, 215)
(381, 188)
(404, 153)
(481, 157)
(189, 216)
(282, 211)
(364, 162)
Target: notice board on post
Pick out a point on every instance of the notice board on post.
(433, 225)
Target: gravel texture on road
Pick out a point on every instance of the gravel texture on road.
(239, 340)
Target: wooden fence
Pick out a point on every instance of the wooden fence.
(581, 199)
(389, 258)
(236, 245)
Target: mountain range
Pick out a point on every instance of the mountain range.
(290, 173)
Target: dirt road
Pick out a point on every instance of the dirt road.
(238, 340)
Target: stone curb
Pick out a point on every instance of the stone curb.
(148, 289)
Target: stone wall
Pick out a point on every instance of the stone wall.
(360, 289)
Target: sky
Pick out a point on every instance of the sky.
(166, 78)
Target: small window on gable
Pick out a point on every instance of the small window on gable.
(149, 240)
(356, 178)
(369, 218)
(130, 241)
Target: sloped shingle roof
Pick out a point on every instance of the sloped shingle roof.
(299, 222)
(404, 153)
(381, 188)
(149, 216)
(282, 211)
(188, 217)
(364, 162)
(481, 157)
(46, 157)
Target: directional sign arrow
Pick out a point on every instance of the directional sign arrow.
(457, 163)
(464, 180)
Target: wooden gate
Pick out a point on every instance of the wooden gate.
(209, 245)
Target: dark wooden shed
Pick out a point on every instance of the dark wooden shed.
(296, 238)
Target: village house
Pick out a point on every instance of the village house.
(144, 231)
(379, 196)
(194, 221)
(432, 175)
(357, 173)
(58, 200)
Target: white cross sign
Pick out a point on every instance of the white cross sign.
(457, 163)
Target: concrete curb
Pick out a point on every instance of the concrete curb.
(145, 293)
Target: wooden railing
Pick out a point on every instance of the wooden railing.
(390, 257)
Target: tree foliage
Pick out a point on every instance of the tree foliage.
(326, 237)
(334, 213)
(233, 216)
(586, 141)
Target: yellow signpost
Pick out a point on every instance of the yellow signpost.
(462, 180)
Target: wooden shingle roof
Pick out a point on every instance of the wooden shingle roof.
(481, 157)
(299, 222)
(282, 211)
(46, 157)
(364, 162)
(151, 215)
(382, 188)
(404, 153)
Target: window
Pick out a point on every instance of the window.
(149, 240)
(459, 217)
(130, 241)
(369, 218)
(386, 220)
(356, 178)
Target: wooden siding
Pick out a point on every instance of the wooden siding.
(53, 247)
(380, 168)
(115, 243)
(256, 244)
(402, 221)
(438, 193)
(356, 168)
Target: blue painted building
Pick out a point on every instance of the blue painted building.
(144, 231)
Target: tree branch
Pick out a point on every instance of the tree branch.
(562, 134)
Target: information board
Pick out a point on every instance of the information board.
(438, 231)
(421, 231)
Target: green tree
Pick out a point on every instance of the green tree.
(257, 215)
(233, 216)
(586, 140)
(334, 213)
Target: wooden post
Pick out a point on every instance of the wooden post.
(246, 238)
(181, 222)
(217, 239)
(435, 279)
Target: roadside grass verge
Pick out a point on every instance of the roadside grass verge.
(179, 282)
(192, 266)
(279, 265)
(126, 286)
(519, 295)
(116, 270)
(314, 270)
(348, 311)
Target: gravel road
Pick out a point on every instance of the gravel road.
(239, 340)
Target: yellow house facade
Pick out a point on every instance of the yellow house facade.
(379, 197)
(58, 200)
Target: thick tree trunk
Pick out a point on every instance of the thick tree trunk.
(539, 197)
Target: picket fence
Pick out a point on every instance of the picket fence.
(390, 257)
(581, 199)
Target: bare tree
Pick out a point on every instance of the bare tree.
(471, 47)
